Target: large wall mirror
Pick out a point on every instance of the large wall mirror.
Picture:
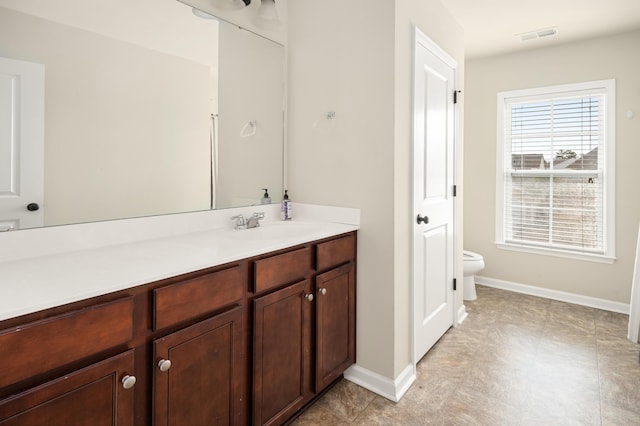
(147, 109)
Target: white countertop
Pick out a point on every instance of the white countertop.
(32, 284)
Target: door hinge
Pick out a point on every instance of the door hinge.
(455, 96)
(455, 284)
(455, 190)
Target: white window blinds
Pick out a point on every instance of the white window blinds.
(553, 170)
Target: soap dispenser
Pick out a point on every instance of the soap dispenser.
(285, 209)
(265, 198)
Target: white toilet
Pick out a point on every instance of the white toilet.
(472, 263)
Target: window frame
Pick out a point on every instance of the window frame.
(608, 201)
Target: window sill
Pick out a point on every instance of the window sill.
(600, 258)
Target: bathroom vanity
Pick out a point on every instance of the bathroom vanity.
(247, 340)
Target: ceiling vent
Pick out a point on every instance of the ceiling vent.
(547, 32)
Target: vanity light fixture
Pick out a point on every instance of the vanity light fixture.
(231, 4)
(268, 11)
(202, 14)
(266, 16)
(222, 5)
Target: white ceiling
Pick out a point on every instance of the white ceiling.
(491, 26)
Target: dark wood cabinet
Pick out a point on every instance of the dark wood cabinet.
(34, 347)
(198, 373)
(274, 271)
(250, 342)
(281, 349)
(193, 323)
(335, 324)
(303, 333)
(196, 297)
(94, 395)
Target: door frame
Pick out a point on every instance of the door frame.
(420, 38)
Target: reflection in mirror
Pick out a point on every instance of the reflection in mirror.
(143, 112)
(251, 117)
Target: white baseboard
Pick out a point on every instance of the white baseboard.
(593, 302)
(393, 390)
(462, 314)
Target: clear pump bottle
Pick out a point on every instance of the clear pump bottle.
(265, 198)
(285, 209)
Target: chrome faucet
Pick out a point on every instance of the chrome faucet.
(254, 220)
(241, 222)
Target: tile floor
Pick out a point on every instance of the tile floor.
(516, 360)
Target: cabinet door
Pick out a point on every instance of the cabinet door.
(60, 340)
(94, 395)
(281, 360)
(203, 385)
(335, 324)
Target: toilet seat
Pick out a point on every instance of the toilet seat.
(472, 263)
(469, 255)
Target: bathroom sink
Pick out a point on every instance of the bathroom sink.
(277, 230)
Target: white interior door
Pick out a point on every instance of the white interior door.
(433, 205)
(21, 144)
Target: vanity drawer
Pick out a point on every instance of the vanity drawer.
(281, 269)
(335, 252)
(40, 346)
(189, 299)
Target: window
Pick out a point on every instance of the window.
(555, 170)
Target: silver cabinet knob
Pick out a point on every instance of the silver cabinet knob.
(128, 381)
(164, 365)
(309, 297)
(322, 291)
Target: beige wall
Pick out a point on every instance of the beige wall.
(341, 59)
(614, 57)
(126, 128)
(355, 58)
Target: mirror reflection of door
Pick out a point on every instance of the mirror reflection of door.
(130, 91)
(21, 144)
